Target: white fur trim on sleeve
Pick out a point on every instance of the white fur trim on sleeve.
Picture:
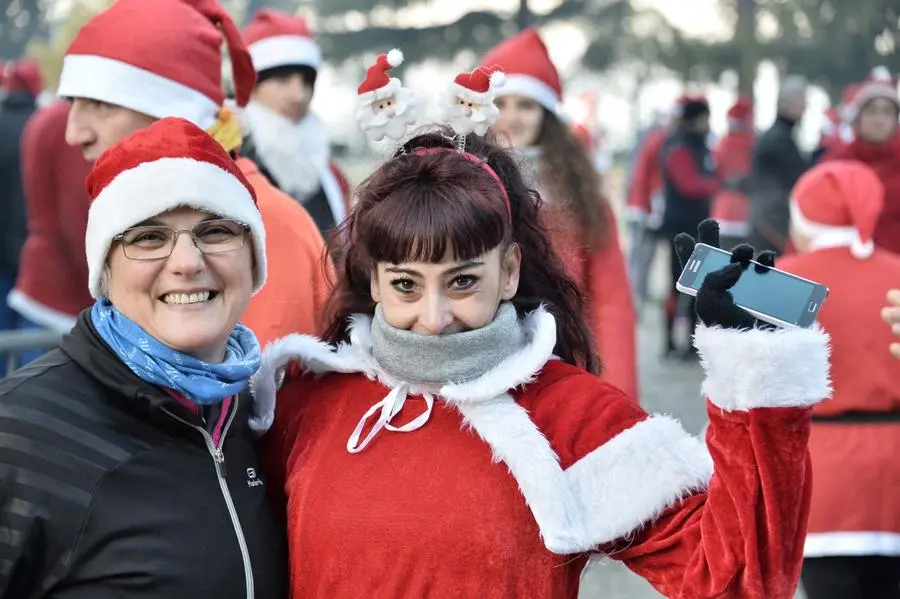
(635, 476)
(764, 369)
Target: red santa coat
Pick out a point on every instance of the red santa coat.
(602, 275)
(52, 285)
(521, 474)
(856, 465)
(645, 192)
(884, 159)
(731, 208)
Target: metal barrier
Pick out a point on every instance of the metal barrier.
(13, 343)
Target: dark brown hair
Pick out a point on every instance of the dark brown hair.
(416, 207)
(572, 181)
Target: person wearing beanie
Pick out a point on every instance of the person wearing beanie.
(125, 69)
(853, 545)
(874, 112)
(289, 142)
(578, 214)
(130, 468)
(689, 184)
(777, 164)
(21, 84)
(732, 157)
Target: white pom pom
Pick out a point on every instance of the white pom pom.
(498, 78)
(881, 73)
(395, 57)
(862, 249)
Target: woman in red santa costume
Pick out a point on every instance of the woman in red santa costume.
(732, 157)
(874, 113)
(581, 221)
(853, 547)
(448, 437)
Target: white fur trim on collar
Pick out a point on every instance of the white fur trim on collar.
(764, 369)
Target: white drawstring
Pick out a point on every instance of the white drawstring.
(390, 406)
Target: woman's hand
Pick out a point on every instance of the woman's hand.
(715, 306)
(891, 315)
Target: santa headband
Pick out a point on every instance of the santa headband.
(386, 110)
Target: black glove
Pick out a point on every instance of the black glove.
(715, 306)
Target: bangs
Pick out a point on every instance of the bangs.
(421, 223)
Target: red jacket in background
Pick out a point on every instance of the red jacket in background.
(52, 286)
(884, 159)
(732, 158)
(647, 180)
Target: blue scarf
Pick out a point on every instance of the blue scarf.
(201, 382)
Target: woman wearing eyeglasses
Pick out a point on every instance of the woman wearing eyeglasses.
(127, 468)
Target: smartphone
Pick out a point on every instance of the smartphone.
(769, 294)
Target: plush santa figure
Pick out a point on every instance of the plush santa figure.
(469, 103)
(386, 109)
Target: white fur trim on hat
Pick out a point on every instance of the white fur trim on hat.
(119, 83)
(155, 187)
(537, 90)
(285, 50)
(392, 87)
(822, 236)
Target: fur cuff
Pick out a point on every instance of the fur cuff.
(764, 369)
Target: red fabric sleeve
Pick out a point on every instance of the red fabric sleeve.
(343, 183)
(742, 538)
(687, 178)
(612, 313)
(642, 178)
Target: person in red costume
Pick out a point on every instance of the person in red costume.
(583, 226)
(732, 157)
(853, 547)
(874, 113)
(449, 432)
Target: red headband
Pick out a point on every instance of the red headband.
(475, 160)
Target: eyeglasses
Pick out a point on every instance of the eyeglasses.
(156, 242)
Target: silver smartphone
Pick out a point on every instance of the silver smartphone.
(769, 294)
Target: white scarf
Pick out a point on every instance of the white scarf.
(294, 152)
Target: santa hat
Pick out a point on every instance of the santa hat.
(478, 86)
(838, 203)
(378, 84)
(23, 76)
(529, 70)
(277, 39)
(741, 113)
(169, 164)
(160, 58)
(879, 84)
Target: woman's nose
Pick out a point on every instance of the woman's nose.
(436, 316)
(186, 257)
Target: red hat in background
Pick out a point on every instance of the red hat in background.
(742, 109)
(879, 84)
(169, 164)
(278, 39)
(161, 58)
(838, 203)
(529, 71)
(23, 75)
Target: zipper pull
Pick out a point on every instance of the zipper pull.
(220, 463)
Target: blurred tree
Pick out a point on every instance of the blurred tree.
(20, 20)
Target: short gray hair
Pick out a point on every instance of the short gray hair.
(791, 87)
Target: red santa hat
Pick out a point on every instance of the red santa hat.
(277, 39)
(838, 203)
(479, 86)
(741, 113)
(378, 84)
(529, 70)
(23, 76)
(169, 164)
(160, 58)
(879, 84)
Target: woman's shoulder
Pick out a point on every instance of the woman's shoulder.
(577, 411)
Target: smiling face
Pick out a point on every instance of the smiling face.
(520, 119)
(878, 120)
(189, 301)
(451, 296)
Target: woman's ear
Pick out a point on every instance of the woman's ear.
(373, 286)
(510, 267)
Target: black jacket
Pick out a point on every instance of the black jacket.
(17, 108)
(109, 488)
(682, 214)
(776, 166)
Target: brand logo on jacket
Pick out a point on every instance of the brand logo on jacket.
(252, 479)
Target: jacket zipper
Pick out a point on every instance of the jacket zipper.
(218, 457)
